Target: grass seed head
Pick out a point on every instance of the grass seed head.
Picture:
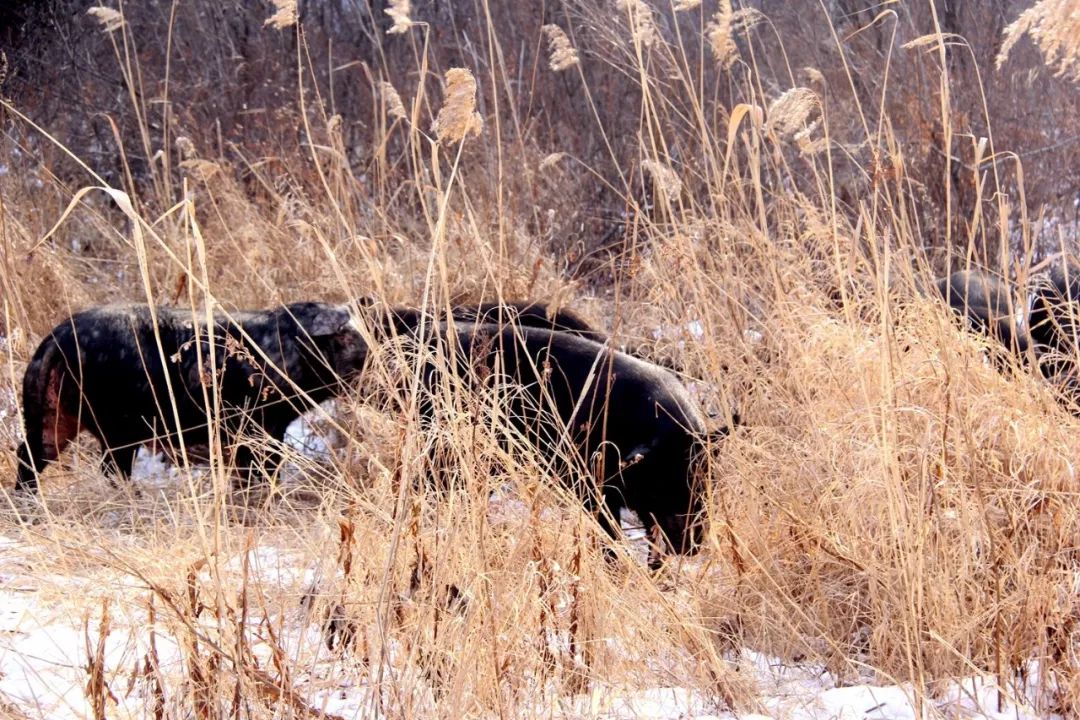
(814, 75)
(1054, 27)
(721, 38)
(185, 148)
(394, 107)
(806, 141)
(284, 15)
(789, 112)
(109, 19)
(200, 169)
(458, 117)
(642, 24)
(399, 11)
(551, 160)
(666, 180)
(563, 54)
(725, 26)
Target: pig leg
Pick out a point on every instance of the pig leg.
(50, 427)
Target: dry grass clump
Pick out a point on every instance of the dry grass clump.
(489, 593)
(929, 492)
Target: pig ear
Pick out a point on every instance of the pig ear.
(329, 321)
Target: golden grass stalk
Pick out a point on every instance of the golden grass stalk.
(110, 20)
(399, 11)
(1054, 27)
(684, 5)
(284, 14)
(458, 117)
(563, 55)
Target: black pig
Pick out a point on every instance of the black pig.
(1055, 318)
(401, 320)
(520, 313)
(102, 371)
(631, 423)
(986, 303)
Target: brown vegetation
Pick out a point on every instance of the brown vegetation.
(756, 191)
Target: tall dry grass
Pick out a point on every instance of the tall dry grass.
(894, 507)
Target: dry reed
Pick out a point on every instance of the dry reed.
(897, 508)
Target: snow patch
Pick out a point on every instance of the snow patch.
(305, 435)
(43, 658)
(693, 330)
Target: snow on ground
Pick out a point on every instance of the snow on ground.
(799, 692)
(45, 638)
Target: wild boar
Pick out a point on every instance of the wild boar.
(632, 424)
(104, 371)
(1055, 318)
(986, 304)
